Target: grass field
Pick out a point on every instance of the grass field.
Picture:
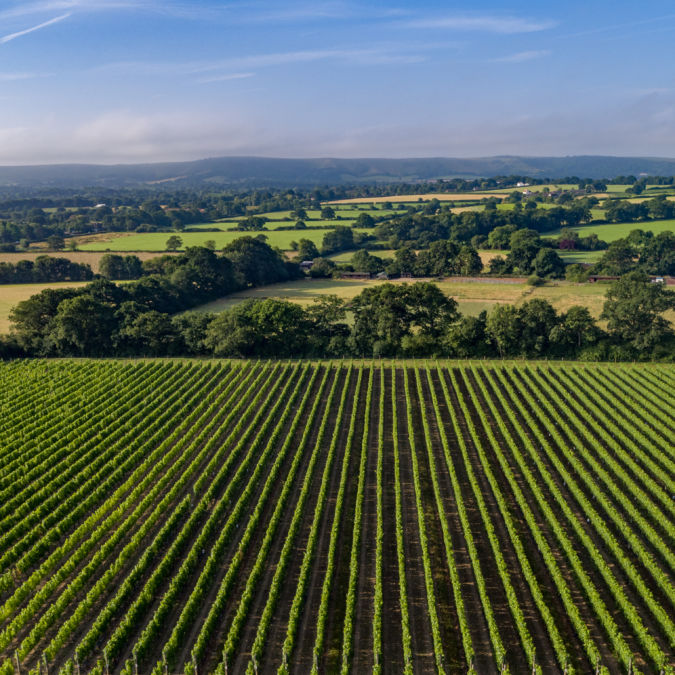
(580, 256)
(472, 296)
(240, 517)
(613, 231)
(156, 241)
(10, 294)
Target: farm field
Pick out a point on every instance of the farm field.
(156, 241)
(612, 231)
(472, 296)
(182, 517)
(90, 258)
(10, 294)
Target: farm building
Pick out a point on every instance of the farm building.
(356, 275)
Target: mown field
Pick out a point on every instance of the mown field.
(183, 517)
(472, 296)
(612, 231)
(156, 241)
(11, 294)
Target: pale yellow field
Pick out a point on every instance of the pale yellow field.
(10, 294)
(472, 296)
(90, 258)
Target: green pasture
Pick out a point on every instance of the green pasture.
(580, 256)
(156, 241)
(613, 231)
(346, 256)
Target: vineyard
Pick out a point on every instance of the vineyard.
(295, 517)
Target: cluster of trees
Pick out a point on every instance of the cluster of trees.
(640, 250)
(419, 229)
(104, 318)
(343, 238)
(623, 211)
(115, 267)
(44, 269)
(442, 258)
(528, 254)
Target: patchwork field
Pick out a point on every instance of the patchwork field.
(178, 517)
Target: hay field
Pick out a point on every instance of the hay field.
(91, 258)
(11, 294)
(472, 296)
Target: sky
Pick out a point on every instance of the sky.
(108, 81)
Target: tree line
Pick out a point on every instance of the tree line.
(148, 317)
(42, 270)
(104, 318)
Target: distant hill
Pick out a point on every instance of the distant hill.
(275, 172)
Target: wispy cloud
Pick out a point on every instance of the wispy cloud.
(225, 77)
(618, 26)
(520, 57)
(480, 23)
(243, 65)
(32, 29)
(23, 9)
(15, 77)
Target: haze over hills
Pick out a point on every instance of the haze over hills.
(279, 172)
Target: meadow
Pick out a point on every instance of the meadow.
(11, 294)
(156, 241)
(168, 516)
(472, 296)
(612, 231)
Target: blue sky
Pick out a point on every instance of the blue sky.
(153, 80)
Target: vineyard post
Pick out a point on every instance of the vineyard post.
(105, 658)
(77, 664)
(44, 663)
(18, 666)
